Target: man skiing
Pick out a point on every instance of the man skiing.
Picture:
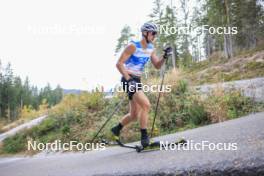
(131, 65)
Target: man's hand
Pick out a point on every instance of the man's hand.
(167, 52)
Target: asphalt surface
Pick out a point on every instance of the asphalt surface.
(253, 88)
(247, 133)
(15, 130)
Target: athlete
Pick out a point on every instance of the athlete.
(131, 65)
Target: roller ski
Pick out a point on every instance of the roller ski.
(116, 140)
(153, 145)
(157, 145)
(146, 144)
(144, 138)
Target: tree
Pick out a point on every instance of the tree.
(196, 22)
(18, 91)
(16, 96)
(156, 17)
(185, 36)
(57, 95)
(170, 20)
(212, 17)
(247, 16)
(124, 38)
(8, 91)
(165, 19)
(26, 100)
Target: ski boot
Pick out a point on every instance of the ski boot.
(145, 141)
(116, 132)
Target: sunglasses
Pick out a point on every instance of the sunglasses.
(154, 33)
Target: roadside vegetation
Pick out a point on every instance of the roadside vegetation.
(218, 69)
(78, 117)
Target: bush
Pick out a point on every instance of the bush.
(254, 65)
(238, 105)
(223, 105)
(197, 114)
(180, 108)
(95, 101)
(65, 129)
(14, 144)
(47, 125)
(182, 87)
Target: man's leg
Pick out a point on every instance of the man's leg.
(134, 111)
(142, 100)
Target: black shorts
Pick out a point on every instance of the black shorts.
(126, 87)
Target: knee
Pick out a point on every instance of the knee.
(133, 116)
(146, 106)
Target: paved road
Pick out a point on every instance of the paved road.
(253, 88)
(21, 127)
(248, 159)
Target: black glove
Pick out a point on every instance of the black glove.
(167, 52)
(132, 84)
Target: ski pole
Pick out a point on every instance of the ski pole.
(157, 104)
(108, 119)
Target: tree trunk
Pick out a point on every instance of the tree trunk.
(209, 45)
(227, 37)
(173, 57)
(228, 49)
(8, 113)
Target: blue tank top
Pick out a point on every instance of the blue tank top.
(136, 62)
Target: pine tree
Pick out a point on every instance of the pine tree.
(247, 16)
(18, 90)
(8, 91)
(170, 19)
(124, 38)
(14, 95)
(185, 54)
(213, 18)
(26, 100)
(196, 22)
(165, 19)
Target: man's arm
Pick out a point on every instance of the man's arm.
(156, 61)
(129, 50)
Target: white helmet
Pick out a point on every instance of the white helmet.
(149, 27)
